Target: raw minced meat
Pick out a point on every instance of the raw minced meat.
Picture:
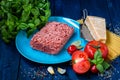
(52, 37)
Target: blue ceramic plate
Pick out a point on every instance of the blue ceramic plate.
(23, 45)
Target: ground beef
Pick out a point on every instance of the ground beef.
(52, 37)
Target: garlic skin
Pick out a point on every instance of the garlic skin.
(61, 71)
(50, 70)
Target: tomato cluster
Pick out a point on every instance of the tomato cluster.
(80, 59)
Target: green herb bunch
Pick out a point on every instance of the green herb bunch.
(17, 15)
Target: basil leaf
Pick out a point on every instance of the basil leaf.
(37, 22)
(3, 3)
(43, 18)
(10, 25)
(105, 65)
(31, 25)
(30, 31)
(47, 13)
(40, 5)
(5, 39)
(98, 54)
(5, 32)
(100, 68)
(25, 2)
(27, 8)
(99, 60)
(5, 35)
(35, 11)
(25, 16)
(23, 26)
(94, 61)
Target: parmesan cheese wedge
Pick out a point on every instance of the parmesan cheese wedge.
(97, 27)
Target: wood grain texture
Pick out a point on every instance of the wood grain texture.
(9, 56)
(9, 61)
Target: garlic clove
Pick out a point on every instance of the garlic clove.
(61, 71)
(50, 70)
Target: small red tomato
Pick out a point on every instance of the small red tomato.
(92, 46)
(71, 49)
(80, 62)
(94, 69)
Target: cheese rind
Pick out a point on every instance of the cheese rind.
(97, 27)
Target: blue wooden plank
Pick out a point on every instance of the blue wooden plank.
(52, 7)
(114, 11)
(66, 8)
(9, 61)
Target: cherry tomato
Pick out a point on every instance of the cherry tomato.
(71, 49)
(80, 62)
(94, 69)
(92, 46)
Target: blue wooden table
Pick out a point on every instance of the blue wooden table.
(13, 66)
